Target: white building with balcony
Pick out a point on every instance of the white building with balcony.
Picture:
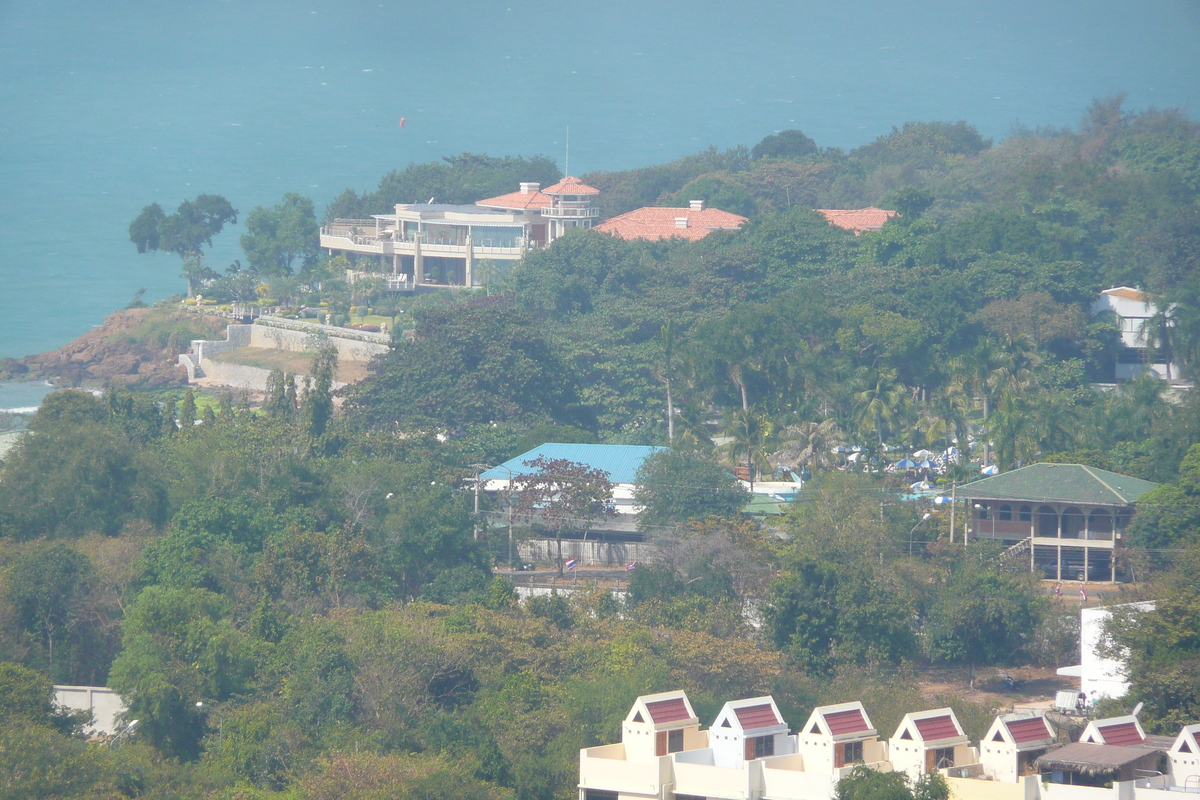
(439, 245)
(929, 741)
(1135, 314)
(1011, 747)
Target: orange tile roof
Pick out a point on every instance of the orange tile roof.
(1127, 293)
(857, 219)
(523, 200)
(569, 185)
(659, 223)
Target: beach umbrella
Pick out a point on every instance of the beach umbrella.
(906, 463)
(926, 464)
(990, 469)
(922, 454)
(838, 450)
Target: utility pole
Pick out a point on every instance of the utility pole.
(479, 468)
(953, 508)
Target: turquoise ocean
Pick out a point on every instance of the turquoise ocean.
(106, 107)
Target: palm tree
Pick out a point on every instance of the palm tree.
(749, 439)
(663, 375)
(808, 444)
(693, 433)
(1057, 421)
(1014, 429)
(945, 415)
(980, 372)
(881, 407)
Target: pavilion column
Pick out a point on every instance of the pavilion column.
(418, 261)
(469, 271)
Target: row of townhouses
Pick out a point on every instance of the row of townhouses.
(749, 753)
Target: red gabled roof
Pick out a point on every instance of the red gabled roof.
(851, 721)
(522, 200)
(655, 223)
(1028, 730)
(569, 185)
(934, 728)
(760, 716)
(857, 219)
(1124, 734)
(671, 710)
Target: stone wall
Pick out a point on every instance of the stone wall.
(288, 334)
(588, 553)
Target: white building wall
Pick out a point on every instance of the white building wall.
(104, 703)
(1104, 676)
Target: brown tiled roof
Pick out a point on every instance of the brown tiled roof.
(671, 710)
(569, 185)
(659, 223)
(857, 219)
(517, 200)
(760, 716)
(934, 728)
(1028, 730)
(1123, 734)
(851, 721)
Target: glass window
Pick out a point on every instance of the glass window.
(674, 741)
(1025, 514)
(1005, 513)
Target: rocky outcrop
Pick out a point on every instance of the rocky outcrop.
(135, 348)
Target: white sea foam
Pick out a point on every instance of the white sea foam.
(22, 410)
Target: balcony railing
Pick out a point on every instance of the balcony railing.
(581, 212)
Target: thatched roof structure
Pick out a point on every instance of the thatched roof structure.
(1096, 759)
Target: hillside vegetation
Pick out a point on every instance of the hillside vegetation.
(296, 606)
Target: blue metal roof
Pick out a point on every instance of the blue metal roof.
(620, 461)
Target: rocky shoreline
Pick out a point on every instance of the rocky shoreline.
(134, 348)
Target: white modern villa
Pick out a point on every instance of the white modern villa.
(438, 245)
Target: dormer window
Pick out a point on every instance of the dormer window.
(759, 747)
(847, 753)
(668, 742)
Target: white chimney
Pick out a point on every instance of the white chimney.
(681, 222)
(696, 205)
(529, 187)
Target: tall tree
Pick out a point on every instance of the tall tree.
(750, 436)
(184, 233)
(279, 236)
(674, 486)
(563, 495)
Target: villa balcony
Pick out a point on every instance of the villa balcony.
(570, 212)
(606, 769)
(696, 775)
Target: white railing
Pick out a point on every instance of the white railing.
(566, 211)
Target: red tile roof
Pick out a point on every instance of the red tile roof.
(857, 219)
(659, 223)
(934, 728)
(517, 200)
(1028, 730)
(851, 721)
(1123, 734)
(760, 716)
(569, 185)
(671, 710)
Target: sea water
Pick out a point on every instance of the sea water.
(106, 107)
